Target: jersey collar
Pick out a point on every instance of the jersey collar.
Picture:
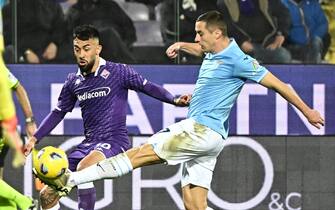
(230, 45)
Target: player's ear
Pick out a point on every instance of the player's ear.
(218, 33)
(99, 48)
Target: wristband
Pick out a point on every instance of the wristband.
(176, 100)
(30, 120)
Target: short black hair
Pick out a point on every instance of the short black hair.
(214, 18)
(86, 32)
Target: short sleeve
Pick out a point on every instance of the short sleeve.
(13, 82)
(248, 68)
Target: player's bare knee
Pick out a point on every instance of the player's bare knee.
(48, 197)
(143, 155)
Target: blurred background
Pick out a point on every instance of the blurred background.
(138, 31)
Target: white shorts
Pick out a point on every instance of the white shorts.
(192, 144)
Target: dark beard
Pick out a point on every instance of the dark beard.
(85, 70)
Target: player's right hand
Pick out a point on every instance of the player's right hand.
(30, 145)
(173, 50)
(315, 118)
(183, 100)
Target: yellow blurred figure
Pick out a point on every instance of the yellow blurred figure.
(7, 111)
(10, 199)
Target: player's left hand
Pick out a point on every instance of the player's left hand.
(183, 100)
(315, 118)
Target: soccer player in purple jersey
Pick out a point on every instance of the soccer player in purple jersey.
(101, 88)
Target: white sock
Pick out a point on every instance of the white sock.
(56, 207)
(109, 168)
(209, 208)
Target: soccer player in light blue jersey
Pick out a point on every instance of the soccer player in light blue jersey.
(197, 141)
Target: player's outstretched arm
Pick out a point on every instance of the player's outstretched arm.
(160, 93)
(190, 48)
(272, 82)
(49, 123)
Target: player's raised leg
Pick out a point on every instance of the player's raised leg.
(116, 166)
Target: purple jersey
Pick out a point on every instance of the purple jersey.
(102, 98)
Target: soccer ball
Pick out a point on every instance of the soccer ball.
(51, 162)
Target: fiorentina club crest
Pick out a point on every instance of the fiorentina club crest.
(105, 74)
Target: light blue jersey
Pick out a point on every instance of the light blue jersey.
(221, 78)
